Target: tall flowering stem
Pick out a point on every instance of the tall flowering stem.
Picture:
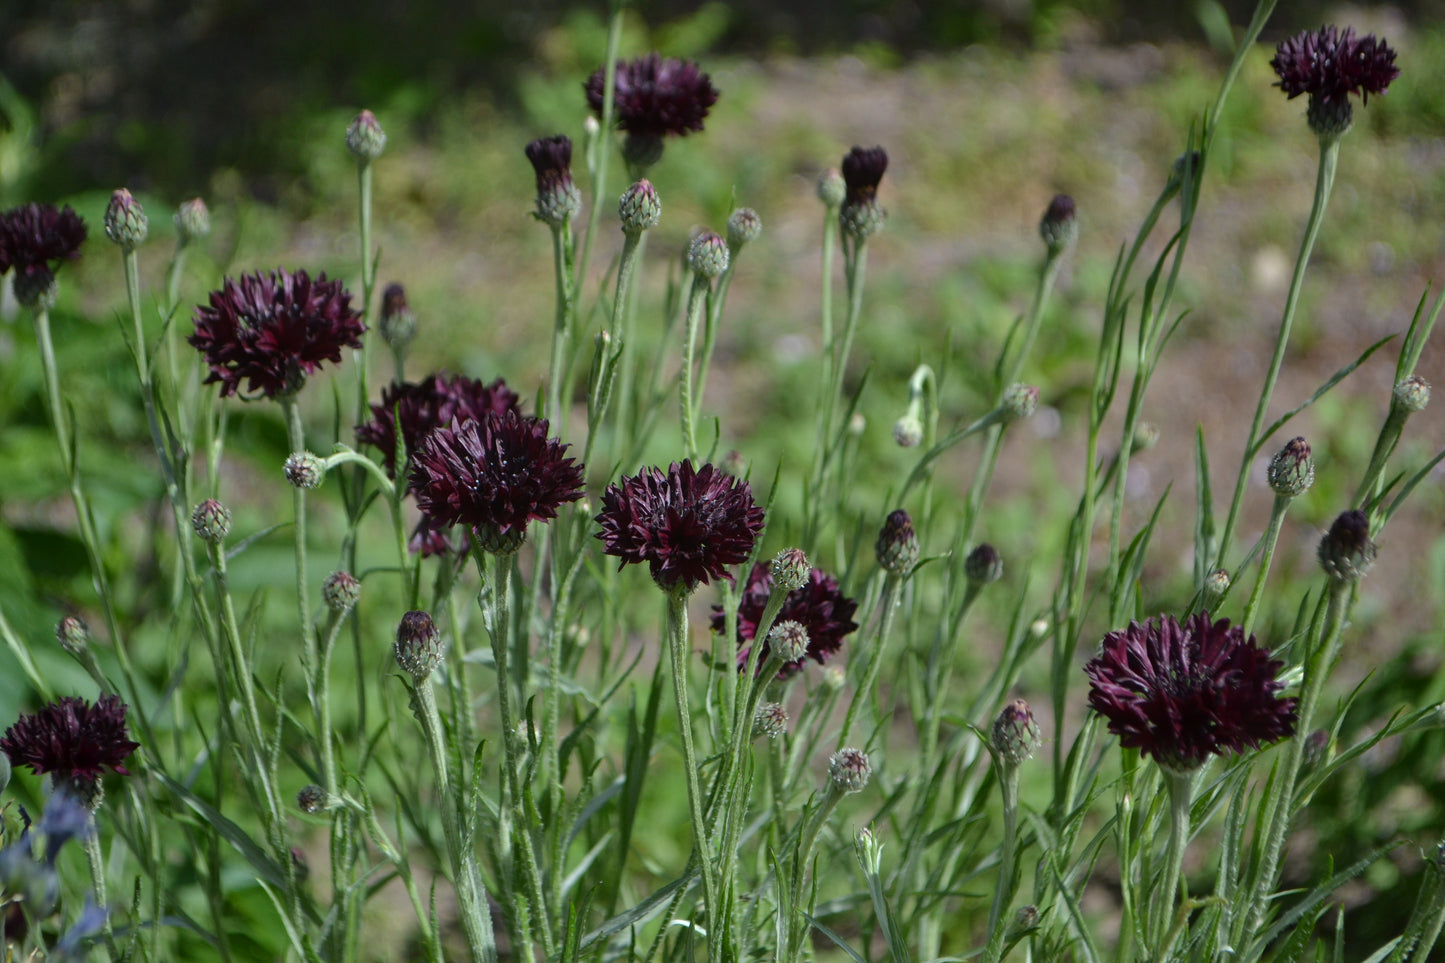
(1324, 184)
(1161, 907)
(598, 155)
(696, 303)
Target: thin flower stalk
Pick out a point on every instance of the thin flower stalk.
(563, 321)
(696, 306)
(888, 605)
(598, 154)
(616, 361)
(1269, 544)
(1324, 184)
(1161, 907)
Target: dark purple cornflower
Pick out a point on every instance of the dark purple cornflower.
(35, 238)
(427, 405)
(72, 740)
(1329, 64)
(655, 96)
(1182, 693)
(551, 159)
(817, 606)
(271, 330)
(863, 169)
(493, 474)
(687, 524)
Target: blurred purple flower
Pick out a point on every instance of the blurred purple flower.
(818, 606)
(655, 96)
(72, 739)
(1330, 64)
(37, 237)
(427, 405)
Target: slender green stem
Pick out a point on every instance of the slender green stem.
(1003, 893)
(696, 301)
(1324, 182)
(1271, 540)
(609, 113)
(1385, 444)
(888, 604)
(1161, 907)
(95, 861)
(296, 437)
(677, 638)
(561, 327)
(797, 925)
(471, 893)
(608, 363)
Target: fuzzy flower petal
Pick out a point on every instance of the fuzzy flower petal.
(656, 96)
(1329, 64)
(1184, 692)
(493, 474)
(687, 524)
(271, 330)
(73, 739)
(817, 605)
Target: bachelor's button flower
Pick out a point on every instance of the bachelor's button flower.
(818, 605)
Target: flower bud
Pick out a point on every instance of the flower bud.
(304, 470)
(418, 648)
(770, 721)
(193, 220)
(73, 634)
(125, 220)
(639, 208)
(897, 545)
(211, 521)
(1346, 552)
(868, 850)
(1059, 228)
(790, 569)
(789, 640)
(1146, 436)
(312, 800)
(1015, 735)
(365, 138)
(983, 565)
(834, 677)
(341, 591)
(908, 430)
(398, 324)
(744, 227)
(1019, 402)
(831, 188)
(1316, 750)
(1025, 921)
(1292, 470)
(861, 215)
(558, 198)
(849, 769)
(1216, 586)
(1412, 394)
(707, 255)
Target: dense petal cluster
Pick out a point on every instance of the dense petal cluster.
(817, 605)
(1184, 692)
(271, 330)
(863, 169)
(687, 524)
(493, 474)
(72, 739)
(1329, 64)
(35, 238)
(551, 159)
(427, 405)
(656, 96)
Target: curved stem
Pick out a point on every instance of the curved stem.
(1324, 182)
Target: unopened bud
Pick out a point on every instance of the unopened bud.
(831, 188)
(1025, 921)
(211, 521)
(849, 770)
(341, 591)
(1216, 587)
(1316, 750)
(418, 648)
(1019, 402)
(193, 220)
(790, 569)
(1292, 470)
(1346, 552)
(313, 799)
(869, 851)
(304, 470)
(908, 431)
(365, 138)
(744, 227)
(983, 565)
(834, 677)
(1059, 228)
(897, 545)
(789, 640)
(73, 634)
(125, 220)
(639, 208)
(1015, 735)
(1146, 436)
(1412, 394)
(707, 255)
(770, 721)
(398, 324)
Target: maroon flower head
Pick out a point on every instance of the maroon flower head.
(271, 330)
(427, 405)
(817, 606)
(551, 158)
(863, 169)
(687, 524)
(493, 474)
(35, 238)
(72, 739)
(1330, 64)
(1182, 693)
(655, 96)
